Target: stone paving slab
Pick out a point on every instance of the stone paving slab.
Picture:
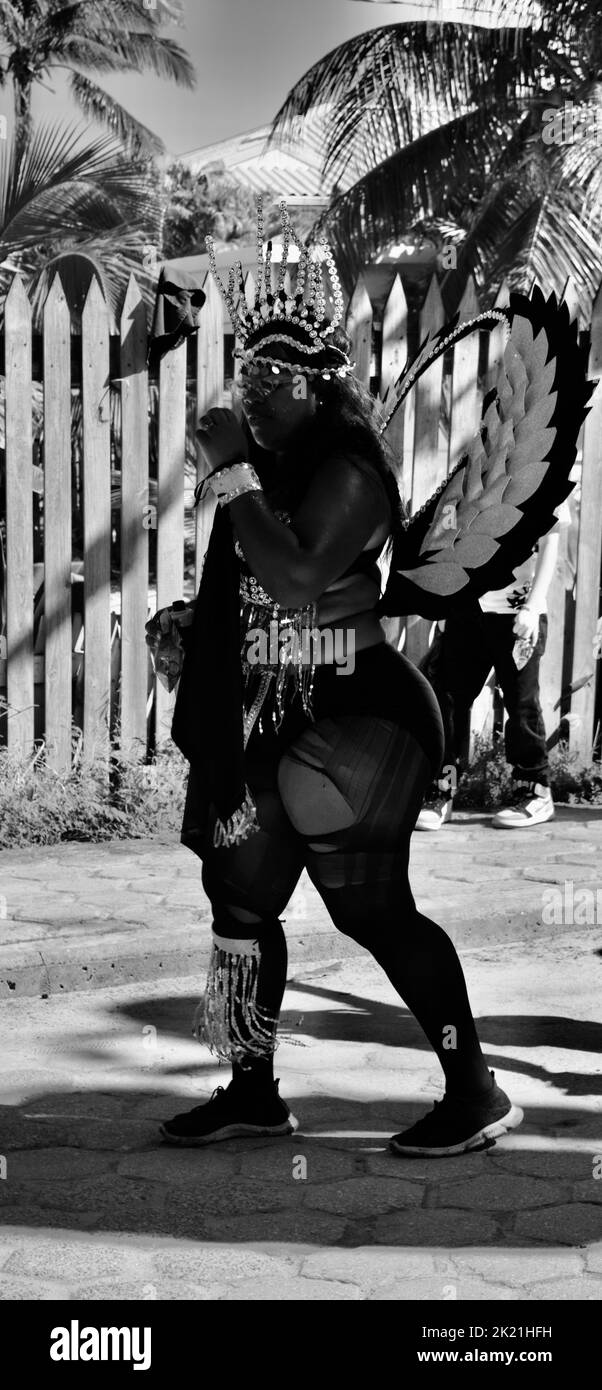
(93, 1206)
(83, 916)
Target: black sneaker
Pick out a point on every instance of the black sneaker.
(454, 1125)
(230, 1113)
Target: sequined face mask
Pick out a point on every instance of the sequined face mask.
(260, 386)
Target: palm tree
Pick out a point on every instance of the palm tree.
(83, 208)
(446, 128)
(89, 37)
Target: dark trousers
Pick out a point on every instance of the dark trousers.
(457, 666)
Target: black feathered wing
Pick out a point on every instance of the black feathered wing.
(487, 517)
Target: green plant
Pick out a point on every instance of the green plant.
(129, 799)
(574, 779)
(209, 203)
(124, 799)
(487, 781)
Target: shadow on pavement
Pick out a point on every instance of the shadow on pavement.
(94, 1162)
(376, 1023)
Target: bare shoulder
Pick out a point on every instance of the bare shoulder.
(352, 481)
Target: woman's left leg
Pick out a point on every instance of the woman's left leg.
(352, 787)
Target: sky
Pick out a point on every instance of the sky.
(247, 55)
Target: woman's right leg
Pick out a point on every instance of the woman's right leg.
(248, 885)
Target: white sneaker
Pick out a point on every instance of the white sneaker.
(531, 804)
(435, 814)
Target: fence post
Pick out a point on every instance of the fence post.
(96, 416)
(464, 404)
(394, 353)
(427, 452)
(57, 529)
(170, 505)
(19, 521)
(589, 551)
(463, 425)
(135, 518)
(359, 329)
(209, 392)
(427, 471)
(482, 713)
(496, 339)
(394, 356)
(552, 662)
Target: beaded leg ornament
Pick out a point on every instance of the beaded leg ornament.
(228, 1018)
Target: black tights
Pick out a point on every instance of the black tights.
(342, 803)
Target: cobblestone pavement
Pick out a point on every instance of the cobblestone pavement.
(79, 916)
(95, 1207)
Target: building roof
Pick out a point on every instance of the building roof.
(292, 170)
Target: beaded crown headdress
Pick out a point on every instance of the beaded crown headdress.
(283, 329)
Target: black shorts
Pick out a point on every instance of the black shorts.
(383, 683)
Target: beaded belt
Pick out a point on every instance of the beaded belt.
(276, 652)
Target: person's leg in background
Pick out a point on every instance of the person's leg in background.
(456, 666)
(248, 885)
(352, 787)
(524, 733)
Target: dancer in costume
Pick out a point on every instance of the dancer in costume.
(311, 741)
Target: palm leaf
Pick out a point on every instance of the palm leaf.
(396, 70)
(542, 220)
(111, 258)
(139, 48)
(96, 103)
(56, 185)
(83, 206)
(419, 181)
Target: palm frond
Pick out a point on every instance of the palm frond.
(82, 21)
(111, 258)
(124, 13)
(581, 15)
(542, 219)
(136, 49)
(96, 103)
(418, 182)
(566, 239)
(400, 80)
(56, 186)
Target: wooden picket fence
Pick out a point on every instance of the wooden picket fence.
(104, 655)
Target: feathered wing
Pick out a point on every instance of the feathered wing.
(501, 497)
